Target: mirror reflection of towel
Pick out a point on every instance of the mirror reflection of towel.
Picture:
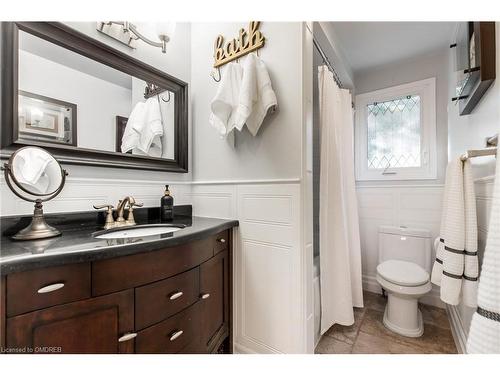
(30, 167)
(144, 129)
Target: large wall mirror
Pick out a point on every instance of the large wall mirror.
(88, 103)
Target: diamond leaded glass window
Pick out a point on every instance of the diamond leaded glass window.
(394, 133)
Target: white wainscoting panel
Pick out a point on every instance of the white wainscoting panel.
(267, 261)
(79, 194)
(410, 205)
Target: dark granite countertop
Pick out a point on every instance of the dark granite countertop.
(76, 244)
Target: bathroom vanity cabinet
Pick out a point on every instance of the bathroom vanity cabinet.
(171, 300)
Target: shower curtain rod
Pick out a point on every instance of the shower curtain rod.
(327, 62)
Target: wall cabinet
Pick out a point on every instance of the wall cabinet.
(174, 300)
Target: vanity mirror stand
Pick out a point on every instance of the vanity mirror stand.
(36, 176)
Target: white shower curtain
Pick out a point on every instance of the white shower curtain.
(340, 253)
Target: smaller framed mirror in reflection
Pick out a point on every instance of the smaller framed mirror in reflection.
(47, 119)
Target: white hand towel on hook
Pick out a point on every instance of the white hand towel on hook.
(256, 97)
(226, 100)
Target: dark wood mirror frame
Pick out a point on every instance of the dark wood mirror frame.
(84, 45)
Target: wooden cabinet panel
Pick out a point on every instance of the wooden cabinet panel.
(172, 335)
(25, 289)
(214, 292)
(115, 274)
(89, 326)
(162, 299)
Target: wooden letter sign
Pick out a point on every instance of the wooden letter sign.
(247, 41)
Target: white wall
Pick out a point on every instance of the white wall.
(262, 182)
(408, 203)
(276, 150)
(397, 73)
(469, 132)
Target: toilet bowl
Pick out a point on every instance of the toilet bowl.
(403, 272)
(405, 283)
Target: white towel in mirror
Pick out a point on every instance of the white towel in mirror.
(130, 138)
(31, 167)
(144, 130)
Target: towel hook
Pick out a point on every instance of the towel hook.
(163, 99)
(213, 74)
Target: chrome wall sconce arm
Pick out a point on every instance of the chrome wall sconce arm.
(130, 33)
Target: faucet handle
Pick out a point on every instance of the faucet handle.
(130, 218)
(110, 221)
(107, 206)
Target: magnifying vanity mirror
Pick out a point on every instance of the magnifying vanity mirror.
(34, 175)
(87, 102)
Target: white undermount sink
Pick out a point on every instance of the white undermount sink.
(138, 231)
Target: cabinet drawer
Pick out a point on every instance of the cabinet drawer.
(37, 289)
(162, 299)
(116, 274)
(221, 241)
(171, 335)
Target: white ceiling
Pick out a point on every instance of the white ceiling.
(371, 44)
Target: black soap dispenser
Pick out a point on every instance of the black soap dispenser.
(167, 206)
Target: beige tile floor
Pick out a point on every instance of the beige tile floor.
(369, 336)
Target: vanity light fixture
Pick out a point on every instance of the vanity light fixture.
(127, 33)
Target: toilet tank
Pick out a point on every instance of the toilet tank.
(402, 243)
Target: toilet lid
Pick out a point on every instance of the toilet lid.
(403, 273)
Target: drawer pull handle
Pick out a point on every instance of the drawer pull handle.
(221, 240)
(127, 336)
(176, 335)
(175, 295)
(205, 295)
(50, 288)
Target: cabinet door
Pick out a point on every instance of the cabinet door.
(95, 325)
(214, 292)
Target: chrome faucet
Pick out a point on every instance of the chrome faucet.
(120, 209)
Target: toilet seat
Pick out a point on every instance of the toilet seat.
(402, 273)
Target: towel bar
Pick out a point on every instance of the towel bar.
(491, 149)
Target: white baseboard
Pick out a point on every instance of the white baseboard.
(370, 284)
(457, 328)
(240, 349)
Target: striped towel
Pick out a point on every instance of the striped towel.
(484, 333)
(471, 263)
(456, 268)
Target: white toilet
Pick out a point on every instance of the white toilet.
(403, 272)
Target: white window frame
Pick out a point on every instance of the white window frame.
(426, 89)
